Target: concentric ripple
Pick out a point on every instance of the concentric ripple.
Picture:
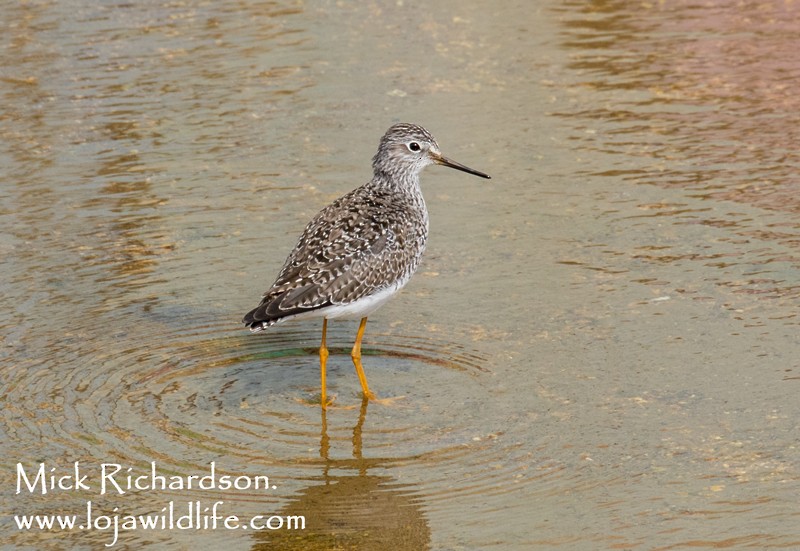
(213, 392)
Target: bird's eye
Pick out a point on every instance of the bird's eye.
(414, 146)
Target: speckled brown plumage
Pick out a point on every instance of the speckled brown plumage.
(368, 240)
(362, 248)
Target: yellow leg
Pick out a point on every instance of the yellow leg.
(356, 355)
(323, 358)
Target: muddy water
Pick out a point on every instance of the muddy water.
(600, 349)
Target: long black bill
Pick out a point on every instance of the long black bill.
(444, 161)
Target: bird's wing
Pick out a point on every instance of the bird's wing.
(344, 254)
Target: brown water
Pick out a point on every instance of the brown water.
(599, 352)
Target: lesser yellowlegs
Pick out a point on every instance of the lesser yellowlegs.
(360, 250)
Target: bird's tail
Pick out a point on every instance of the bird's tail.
(255, 325)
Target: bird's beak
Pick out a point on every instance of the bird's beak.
(440, 159)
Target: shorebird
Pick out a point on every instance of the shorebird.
(360, 250)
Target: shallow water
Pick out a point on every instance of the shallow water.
(600, 350)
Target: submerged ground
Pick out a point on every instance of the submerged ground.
(600, 350)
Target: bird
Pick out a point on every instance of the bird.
(361, 249)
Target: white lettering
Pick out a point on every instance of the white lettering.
(107, 479)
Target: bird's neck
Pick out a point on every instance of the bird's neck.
(405, 182)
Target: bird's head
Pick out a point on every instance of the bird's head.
(406, 149)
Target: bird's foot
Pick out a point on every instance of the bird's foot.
(316, 401)
(373, 398)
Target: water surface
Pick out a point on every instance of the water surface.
(600, 348)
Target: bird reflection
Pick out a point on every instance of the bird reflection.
(357, 511)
